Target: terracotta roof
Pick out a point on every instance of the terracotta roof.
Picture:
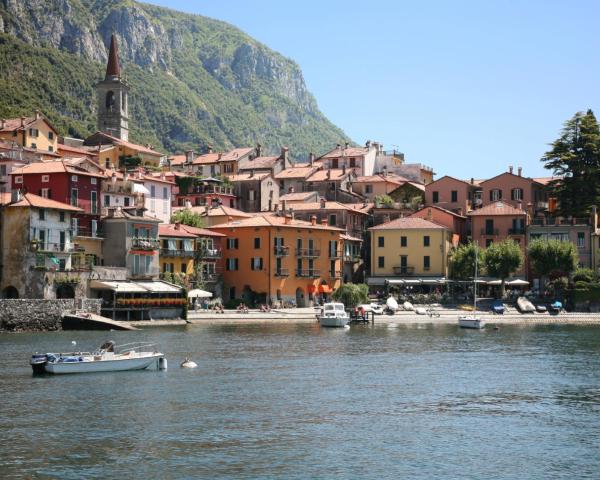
(381, 178)
(177, 159)
(53, 166)
(349, 238)
(201, 232)
(451, 178)
(219, 211)
(328, 175)
(260, 162)
(310, 206)
(123, 143)
(5, 198)
(152, 178)
(449, 212)
(247, 177)
(496, 208)
(12, 124)
(206, 159)
(408, 223)
(270, 219)
(235, 154)
(31, 200)
(503, 174)
(170, 230)
(296, 172)
(362, 207)
(297, 196)
(131, 214)
(546, 180)
(346, 152)
(78, 150)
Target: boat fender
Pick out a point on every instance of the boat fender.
(162, 363)
(187, 363)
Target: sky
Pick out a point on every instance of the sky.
(466, 87)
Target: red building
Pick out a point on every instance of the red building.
(66, 183)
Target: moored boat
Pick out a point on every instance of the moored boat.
(334, 315)
(107, 358)
(525, 306)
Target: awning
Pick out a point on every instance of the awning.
(495, 282)
(517, 282)
(325, 289)
(135, 287)
(139, 188)
(160, 287)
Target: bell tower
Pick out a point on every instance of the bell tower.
(113, 117)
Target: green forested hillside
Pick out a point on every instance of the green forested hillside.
(193, 80)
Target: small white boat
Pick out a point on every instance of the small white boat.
(525, 306)
(408, 306)
(334, 315)
(421, 311)
(108, 358)
(391, 304)
(471, 321)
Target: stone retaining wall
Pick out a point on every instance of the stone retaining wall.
(39, 315)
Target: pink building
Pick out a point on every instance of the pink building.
(515, 190)
(456, 223)
(496, 222)
(451, 194)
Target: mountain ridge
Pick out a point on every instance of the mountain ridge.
(194, 80)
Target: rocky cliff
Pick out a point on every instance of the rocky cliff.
(194, 80)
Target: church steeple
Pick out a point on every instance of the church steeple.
(113, 117)
(112, 67)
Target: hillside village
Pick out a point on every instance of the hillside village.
(105, 218)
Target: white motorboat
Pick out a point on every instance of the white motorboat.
(107, 358)
(525, 306)
(473, 320)
(334, 315)
(409, 307)
(391, 304)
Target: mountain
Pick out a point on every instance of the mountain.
(194, 80)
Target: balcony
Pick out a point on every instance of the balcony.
(352, 258)
(308, 273)
(282, 273)
(142, 274)
(490, 232)
(210, 254)
(516, 231)
(211, 190)
(210, 277)
(281, 251)
(308, 252)
(335, 253)
(142, 243)
(165, 252)
(404, 270)
(87, 233)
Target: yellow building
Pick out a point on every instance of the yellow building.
(413, 249)
(276, 258)
(31, 132)
(177, 247)
(115, 152)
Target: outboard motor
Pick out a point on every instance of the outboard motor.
(38, 363)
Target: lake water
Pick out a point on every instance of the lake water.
(295, 401)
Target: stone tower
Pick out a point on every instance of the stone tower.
(112, 92)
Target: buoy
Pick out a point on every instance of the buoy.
(187, 363)
(73, 342)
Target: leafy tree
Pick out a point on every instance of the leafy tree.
(585, 275)
(384, 200)
(503, 259)
(187, 217)
(352, 294)
(552, 258)
(462, 262)
(575, 157)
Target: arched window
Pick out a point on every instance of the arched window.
(10, 292)
(110, 100)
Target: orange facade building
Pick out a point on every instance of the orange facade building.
(278, 259)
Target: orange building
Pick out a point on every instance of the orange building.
(275, 258)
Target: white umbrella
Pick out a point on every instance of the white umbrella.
(197, 293)
(495, 282)
(518, 282)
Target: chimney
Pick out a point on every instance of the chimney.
(324, 222)
(313, 219)
(288, 219)
(510, 169)
(346, 145)
(22, 121)
(520, 170)
(38, 115)
(219, 156)
(276, 209)
(286, 157)
(368, 144)
(251, 173)
(189, 156)
(338, 146)
(291, 212)
(229, 219)
(323, 202)
(113, 178)
(429, 214)
(258, 149)
(177, 225)
(472, 181)
(283, 205)
(205, 207)
(209, 148)
(328, 173)
(344, 169)
(311, 158)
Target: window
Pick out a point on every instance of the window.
(333, 220)
(232, 243)
(516, 194)
(403, 241)
(42, 214)
(19, 179)
(256, 263)
(257, 242)
(50, 135)
(94, 227)
(380, 262)
(232, 264)
(580, 239)
(50, 148)
(489, 226)
(454, 196)
(426, 240)
(44, 193)
(436, 197)
(34, 132)
(107, 200)
(42, 239)
(94, 202)
(75, 226)
(368, 188)
(232, 293)
(45, 178)
(165, 193)
(2, 170)
(61, 216)
(74, 199)
(126, 201)
(495, 195)
(93, 181)
(183, 267)
(426, 262)
(352, 162)
(34, 145)
(73, 178)
(380, 241)
(488, 242)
